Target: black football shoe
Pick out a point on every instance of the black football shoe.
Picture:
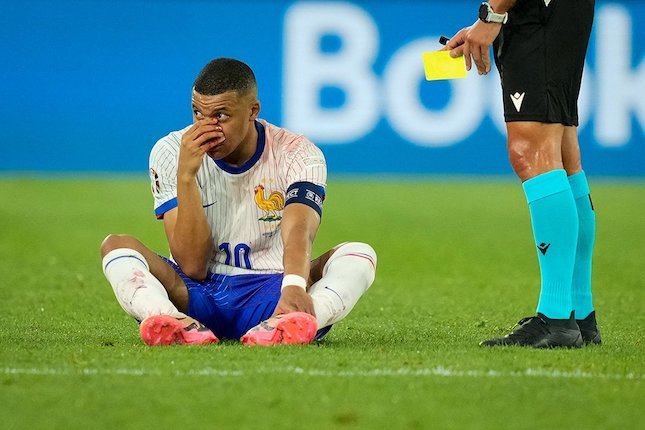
(541, 332)
(589, 330)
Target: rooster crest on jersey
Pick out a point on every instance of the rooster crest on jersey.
(271, 205)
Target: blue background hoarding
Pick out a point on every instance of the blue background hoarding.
(91, 85)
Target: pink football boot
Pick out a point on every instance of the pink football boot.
(288, 329)
(169, 330)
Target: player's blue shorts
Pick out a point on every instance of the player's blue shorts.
(230, 305)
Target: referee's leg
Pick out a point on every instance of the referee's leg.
(582, 291)
(535, 151)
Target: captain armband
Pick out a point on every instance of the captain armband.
(306, 193)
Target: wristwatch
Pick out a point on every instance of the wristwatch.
(487, 14)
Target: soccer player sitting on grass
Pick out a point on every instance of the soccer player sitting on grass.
(241, 202)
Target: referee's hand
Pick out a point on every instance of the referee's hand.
(474, 44)
(455, 43)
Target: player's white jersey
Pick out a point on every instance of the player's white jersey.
(243, 205)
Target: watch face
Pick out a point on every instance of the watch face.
(483, 12)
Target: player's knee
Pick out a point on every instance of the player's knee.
(517, 150)
(520, 153)
(357, 248)
(116, 241)
(534, 148)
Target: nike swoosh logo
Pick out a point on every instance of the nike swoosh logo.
(209, 205)
(333, 291)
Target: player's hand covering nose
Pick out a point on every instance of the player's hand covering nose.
(200, 138)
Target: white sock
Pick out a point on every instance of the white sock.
(138, 292)
(346, 276)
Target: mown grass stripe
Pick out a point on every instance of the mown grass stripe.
(385, 372)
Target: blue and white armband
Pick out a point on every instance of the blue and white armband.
(306, 193)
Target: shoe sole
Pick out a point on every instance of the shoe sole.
(166, 330)
(297, 328)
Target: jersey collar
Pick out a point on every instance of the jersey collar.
(251, 162)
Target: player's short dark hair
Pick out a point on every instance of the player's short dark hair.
(225, 74)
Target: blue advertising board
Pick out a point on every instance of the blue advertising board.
(91, 85)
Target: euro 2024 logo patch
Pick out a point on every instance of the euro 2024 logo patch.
(154, 181)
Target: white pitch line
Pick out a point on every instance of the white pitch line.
(401, 372)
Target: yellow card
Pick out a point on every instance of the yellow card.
(440, 65)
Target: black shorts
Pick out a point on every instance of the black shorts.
(540, 55)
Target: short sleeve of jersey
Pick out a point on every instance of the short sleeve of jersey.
(163, 173)
(306, 163)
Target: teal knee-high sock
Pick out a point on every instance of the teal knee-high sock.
(582, 300)
(555, 228)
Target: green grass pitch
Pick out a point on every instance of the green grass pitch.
(456, 265)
